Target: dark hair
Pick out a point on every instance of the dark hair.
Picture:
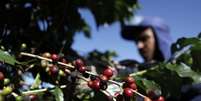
(158, 56)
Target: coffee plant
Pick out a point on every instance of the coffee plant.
(37, 62)
(51, 76)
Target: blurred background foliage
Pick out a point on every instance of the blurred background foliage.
(50, 25)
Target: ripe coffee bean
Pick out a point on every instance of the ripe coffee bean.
(108, 72)
(1, 76)
(63, 60)
(90, 84)
(133, 86)
(128, 92)
(78, 63)
(54, 70)
(161, 98)
(96, 85)
(129, 80)
(54, 57)
(82, 69)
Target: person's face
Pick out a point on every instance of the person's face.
(145, 41)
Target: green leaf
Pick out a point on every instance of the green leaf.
(185, 71)
(196, 57)
(170, 83)
(37, 82)
(188, 41)
(7, 58)
(183, 42)
(145, 85)
(57, 92)
(150, 84)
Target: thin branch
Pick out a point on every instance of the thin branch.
(43, 58)
(14, 94)
(139, 94)
(40, 90)
(80, 77)
(138, 73)
(142, 72)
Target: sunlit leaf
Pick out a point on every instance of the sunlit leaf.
(37, 82)
(4, 57)
(57, 92)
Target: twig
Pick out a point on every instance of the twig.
(43, 58)
(14, 94)
(142, 72)
(34, 91)
(138, 73)
(139, 93)
(40, 90)
(91, 73)
(80, 77)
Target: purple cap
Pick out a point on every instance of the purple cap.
(161, 29)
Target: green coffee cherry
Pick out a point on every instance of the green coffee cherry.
(18, 98)
(6, 81)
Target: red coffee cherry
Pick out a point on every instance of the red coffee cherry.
(78, 63)
(133, 86)
(63, 60)
(161, 98)
(90, 84)
(96, 85)
(108, 72)
(54, 57)
(1, 76)
(82, 69)
(54, 70)
(128, 92)
(129, 80)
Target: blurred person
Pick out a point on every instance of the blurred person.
(152, 37)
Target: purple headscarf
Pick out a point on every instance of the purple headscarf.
(158, 25)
